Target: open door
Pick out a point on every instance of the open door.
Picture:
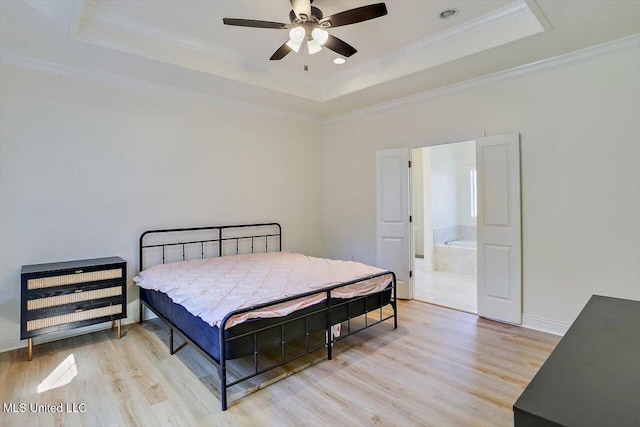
(393, 243)
(499, 228)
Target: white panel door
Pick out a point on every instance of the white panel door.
(393, 243)
(499, 228)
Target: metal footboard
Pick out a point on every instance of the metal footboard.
(330, 306)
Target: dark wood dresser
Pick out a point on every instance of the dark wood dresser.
(592, 378)
(65, 295)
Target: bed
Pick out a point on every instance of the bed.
(234, 294)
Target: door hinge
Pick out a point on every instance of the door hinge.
(410, 218)
(409, 163)
(410, 274)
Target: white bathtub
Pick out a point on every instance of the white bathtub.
(459, 256)
(464, 244)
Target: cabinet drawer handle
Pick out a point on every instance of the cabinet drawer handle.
(77, 291)
(78, 310)
(78, 271)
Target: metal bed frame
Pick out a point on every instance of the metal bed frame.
(328, 306)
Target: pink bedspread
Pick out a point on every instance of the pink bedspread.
(210, 288)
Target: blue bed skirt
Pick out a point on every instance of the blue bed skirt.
(207, 337)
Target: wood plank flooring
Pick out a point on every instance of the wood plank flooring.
(440, 367)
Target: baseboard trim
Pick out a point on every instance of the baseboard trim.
(545, 325)
(14, 343)
(8, 344)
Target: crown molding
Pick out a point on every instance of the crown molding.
(130, 26)
(75, 16)
(535, 8)
(146, 86)
(322, 89)
(582, 55)
(109, 79)
(466, 28)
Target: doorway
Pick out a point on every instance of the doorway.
(499, 227)
(444, 227)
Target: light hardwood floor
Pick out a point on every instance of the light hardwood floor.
(439, 368)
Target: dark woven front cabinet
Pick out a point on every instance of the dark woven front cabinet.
(66, 295)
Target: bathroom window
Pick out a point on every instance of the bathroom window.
(473, 191)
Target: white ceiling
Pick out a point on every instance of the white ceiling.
(183, 44)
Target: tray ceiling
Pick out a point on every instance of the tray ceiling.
(183, 46)
(411, 38)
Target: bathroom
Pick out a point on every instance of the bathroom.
(444, 211)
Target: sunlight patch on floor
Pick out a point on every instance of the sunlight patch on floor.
(61, 375)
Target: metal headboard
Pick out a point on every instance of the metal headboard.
(261, 236)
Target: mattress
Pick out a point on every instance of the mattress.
(241, 341)
(213, 287)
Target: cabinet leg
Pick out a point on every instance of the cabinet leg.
(119, 330)
(30, 348)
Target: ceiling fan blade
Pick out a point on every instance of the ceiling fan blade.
(301, 7)
(255, 24)
(353, 16)
(339, 46)
(281, 52)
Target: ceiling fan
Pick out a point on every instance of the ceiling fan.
(308, 24)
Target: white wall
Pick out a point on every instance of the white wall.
(85, 168)
(427, 207)
(444, 185)
(447, 165)
(465, 158)
(417, 194)
(580, 143)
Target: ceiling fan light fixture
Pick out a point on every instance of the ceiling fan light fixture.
(297, 34)
(308, 24)
(339, 61)
(294, 46)
(314, 47)
(320, 36)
